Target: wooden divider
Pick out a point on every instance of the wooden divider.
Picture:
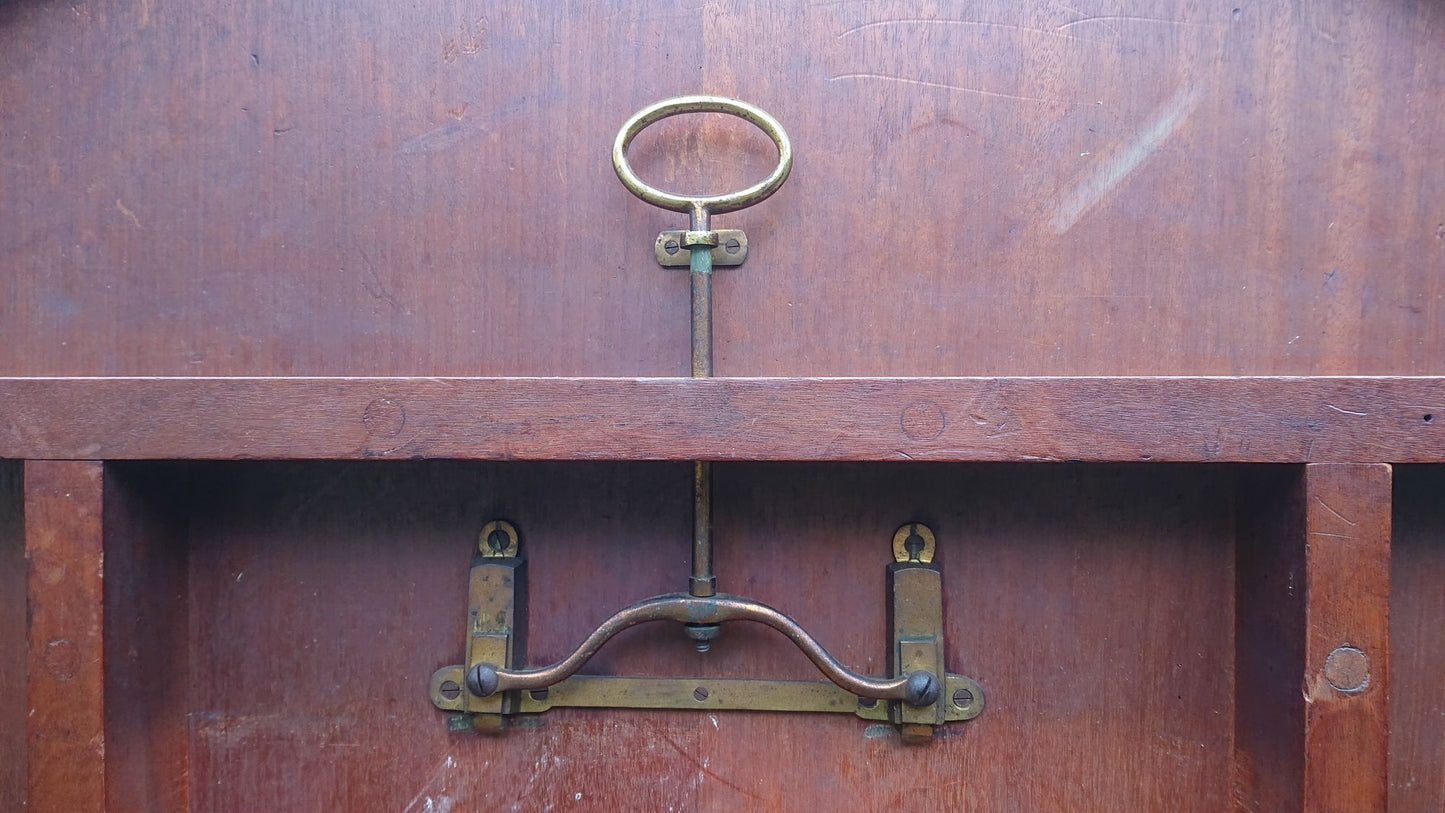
(66, 664)
(1192, 419)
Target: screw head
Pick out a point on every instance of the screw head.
(922, 688)
(732, 246)
(482, 680)
(671, 247)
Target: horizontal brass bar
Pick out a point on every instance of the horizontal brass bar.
(722, 694)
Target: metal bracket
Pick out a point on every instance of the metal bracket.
(672, 250)
(494, 685)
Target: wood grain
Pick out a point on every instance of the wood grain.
(1417, 648)
(1031, 188)
(1347, 584)
(1037, 188)
(12, 635)
(1010, 419)
(65, 721)
(147, 638)
(1268, 771)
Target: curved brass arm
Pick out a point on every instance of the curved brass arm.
(919, 688)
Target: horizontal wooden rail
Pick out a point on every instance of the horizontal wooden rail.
(1274, 420)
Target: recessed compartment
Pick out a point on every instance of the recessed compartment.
(271, 628)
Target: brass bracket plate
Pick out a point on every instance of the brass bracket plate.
(731, 248)
(962, 696)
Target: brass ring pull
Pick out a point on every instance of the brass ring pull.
(698, 204)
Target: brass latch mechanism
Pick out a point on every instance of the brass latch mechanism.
(917, 693)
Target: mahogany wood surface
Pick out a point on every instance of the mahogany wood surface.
(1018, 419)
(1086, 599)
(1417, 647)
(1034, 188)
(13, 637)
(1268, 770)
(147, 639)
(65, 717)
(1346, 683)
(207, 196)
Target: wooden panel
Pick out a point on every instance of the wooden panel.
(1086, 600)
(1347, 636)
(147, 638)
(65, 720)
(379, 188)
(1097, 419)
(12, 636)
(1417, 652)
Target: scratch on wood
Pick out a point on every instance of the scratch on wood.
(1126, 18)
(1081, 14)
(944, 86)
(1331, 536)
(925, 21)
(377, 288)
(1347, 411)
(701, 765)
(1327, 507)
(448, 135)
(458, 130)
(121, 207)
(1315, 687)
(1108, 174)
(434, 796)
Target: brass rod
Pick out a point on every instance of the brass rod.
(703, 582)
(701, 312)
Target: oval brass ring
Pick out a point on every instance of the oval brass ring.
(714, 204)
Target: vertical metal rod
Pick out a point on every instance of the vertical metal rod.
(703, 582)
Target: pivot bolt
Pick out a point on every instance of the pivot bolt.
(922, 688)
